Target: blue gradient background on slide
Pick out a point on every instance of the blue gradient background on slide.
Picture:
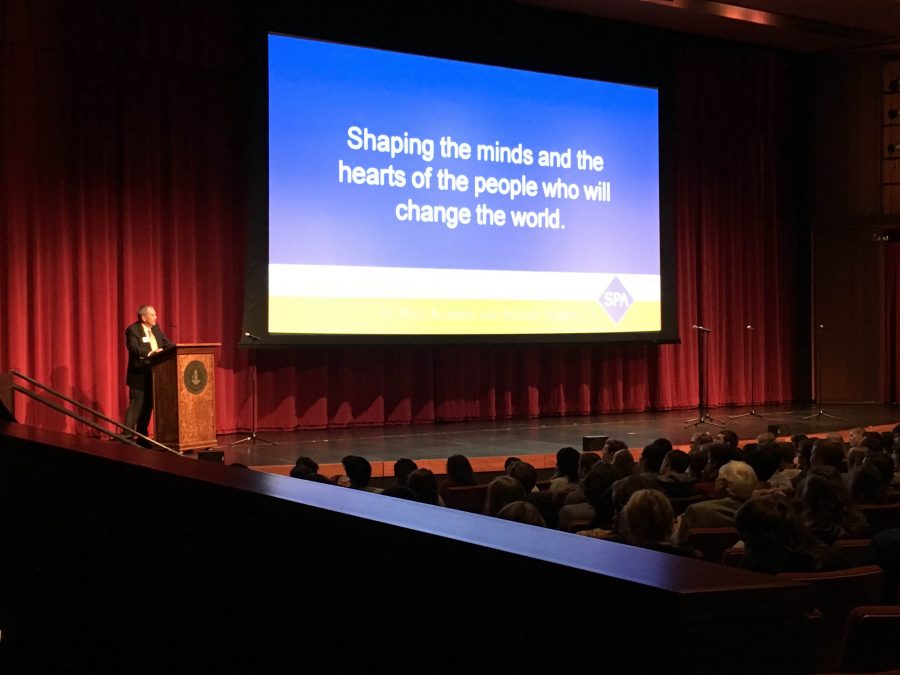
(318, 89)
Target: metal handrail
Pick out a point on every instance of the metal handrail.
(83, 420)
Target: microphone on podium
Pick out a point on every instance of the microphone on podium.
(253, 337)
(702, 329)
(749, 327)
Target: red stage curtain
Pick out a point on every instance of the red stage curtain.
(124, 182)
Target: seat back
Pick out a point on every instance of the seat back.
(881, 516)
(466, 498)
(712, 541)
(733, 556)
(579, 525)
(852, 550)
(871, 639)
(835, 594)
(680, 504)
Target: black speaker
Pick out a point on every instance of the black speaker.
(593, 443)
(217, 456)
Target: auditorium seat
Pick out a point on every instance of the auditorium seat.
(466, 498)
(892, 496)
(732, 556)
(835, 594)
(881, 516)
(680, 504)
(712, 541)
(579, 525)
(707, 489)
(871, 640)
(852, 550)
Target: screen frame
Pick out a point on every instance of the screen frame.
(256, 304)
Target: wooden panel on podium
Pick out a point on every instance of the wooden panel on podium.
(184, 396)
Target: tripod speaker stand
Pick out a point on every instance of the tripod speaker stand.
(821, 413)
(703, 416)
(752, 412)
(253, 438)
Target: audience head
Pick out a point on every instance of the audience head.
(623, 489)
(598, 480)
(522, 512)
(804, 453)
(359, 471)
(646, 519)
(826, 453)
(770, 523)
(797, 438)
(501, 491)
(788, 451)
(866, 485)
(509, 462)
(728, 437)
(676, 461)
(585, 462)
(402, 469)
(872, 444)
(736, 480)
(699, 438)
(720, 454)
(611, 448)
(424, 484)
(765, 437)
(304, 466)
(884, 465)
(525, 473)
(699, 458)
(459, 470)
(623, 462)
(765, 460)
(855, 458)
(567, 463)
(652, 457)
(665, 444)
(856, 436)
(827, 506)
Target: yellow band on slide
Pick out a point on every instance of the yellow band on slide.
(410, 316)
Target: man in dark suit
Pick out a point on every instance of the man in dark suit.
(143, 338)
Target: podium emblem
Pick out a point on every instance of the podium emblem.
(195, 377)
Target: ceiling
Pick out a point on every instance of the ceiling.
(798, 25)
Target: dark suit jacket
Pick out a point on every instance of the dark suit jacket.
(139, 373)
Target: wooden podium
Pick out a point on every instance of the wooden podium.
(184, 396)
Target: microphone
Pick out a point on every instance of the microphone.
(821, 326)
(750, 328)
(702, 329)
(252, 336)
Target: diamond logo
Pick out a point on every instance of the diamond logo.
(616, 300)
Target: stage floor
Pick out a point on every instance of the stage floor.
(534, 437)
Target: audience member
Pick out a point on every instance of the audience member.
(620, 492)
(526, 474)
(585, 462)
(459, 473)
(596, 484)
(782, 479)
(734, 485)
(826, 453)
(304, 466)
(856, 436)
(501, 491)
(827, 509)
(699, 458)
(775, 539)
(728, 437)
(674, 478)
(402, 469)
(522, 512)
(719, 455)
(509, 462)
(424, 484)
(647, 521)
(401, 492)
(623, 462)
(765, 460)
(866, 484)
(765, 437)
(611, 447)
(566, 476)
(652, 458)
(359, 471)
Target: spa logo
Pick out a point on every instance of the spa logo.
(616, 300)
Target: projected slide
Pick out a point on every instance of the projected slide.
(419, 196)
